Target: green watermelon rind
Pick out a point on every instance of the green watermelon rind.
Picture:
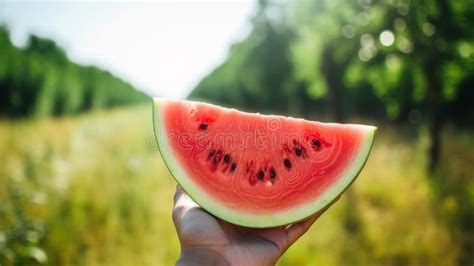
(256, 220)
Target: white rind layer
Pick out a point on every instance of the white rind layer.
(251, 219)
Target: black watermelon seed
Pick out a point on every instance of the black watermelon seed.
(211, 153)
(316, 143)
(233, 166)
(298, 151)
(272, 173)
(261, 175)
(203, 126)
(287, 163)
(226, 158)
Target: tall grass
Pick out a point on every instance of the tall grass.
(96, 187)
(92, 190)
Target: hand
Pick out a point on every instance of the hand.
(207, 240)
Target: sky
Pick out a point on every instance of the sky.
(162, 47)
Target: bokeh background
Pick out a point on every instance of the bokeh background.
(81, 179)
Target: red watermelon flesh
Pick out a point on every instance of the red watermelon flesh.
(258, 170)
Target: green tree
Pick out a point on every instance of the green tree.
(321, 52)
(39, 80)
(419, 55)
(258, 73)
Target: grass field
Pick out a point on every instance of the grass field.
(92, 190)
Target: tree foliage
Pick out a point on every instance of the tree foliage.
(385, 59)
(39, 80)
(258, 73)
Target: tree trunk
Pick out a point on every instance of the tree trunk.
(329, 69)
(435, 127)
(332, 74)
(435, 115)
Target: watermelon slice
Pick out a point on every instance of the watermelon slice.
(258, 170)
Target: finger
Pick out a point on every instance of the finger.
(295, 231)
(177, 211)
(182, 204)
(177, 194)
(183, 199)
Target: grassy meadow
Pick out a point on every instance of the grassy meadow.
(92, 190)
